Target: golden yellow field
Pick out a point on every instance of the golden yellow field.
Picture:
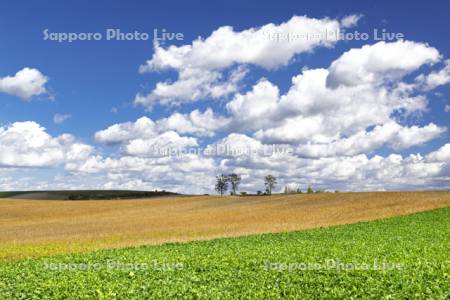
(47, 227)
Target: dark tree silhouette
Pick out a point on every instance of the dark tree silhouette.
(270, 182)
(235, 180)
(221, 184)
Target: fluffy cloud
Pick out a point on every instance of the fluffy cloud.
(194, 172)
(380, 62)
(235, 145)
(193, 84)
(354, 172)
(60, 118)
(27, 144)
(310, 111)
(440, 155)
(159, 165)
(225, 47)
(407, 137)
(315, 118)
(147, 138)
(379, 173)
(252, 110)
(196, 123)
(190, 173)
(391, 134)
(119, 133)
(350, 20)
(25, 84)
(160, 145)
(435, 78)
(201, 63)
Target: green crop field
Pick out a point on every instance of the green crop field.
(399, 258)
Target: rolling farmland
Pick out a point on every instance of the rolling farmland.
(30, 228)
(395, 258)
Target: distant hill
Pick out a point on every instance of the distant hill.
(84, 194)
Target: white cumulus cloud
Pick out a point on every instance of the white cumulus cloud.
(25, 84)
(27, 144)
(380, 62)
(200, 65)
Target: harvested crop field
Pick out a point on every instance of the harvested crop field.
(48, 227)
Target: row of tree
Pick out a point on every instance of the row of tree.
(290, 190)
(223, 181)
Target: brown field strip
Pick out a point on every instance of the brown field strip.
(47, 227)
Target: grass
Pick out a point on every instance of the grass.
(9, 194)
(32, 228)
(234, 268)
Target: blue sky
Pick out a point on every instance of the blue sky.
(96, 83)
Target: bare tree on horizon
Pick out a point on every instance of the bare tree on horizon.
(221, 184)
(235, 180)
(270, 182)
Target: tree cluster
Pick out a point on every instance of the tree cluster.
(223, 182)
